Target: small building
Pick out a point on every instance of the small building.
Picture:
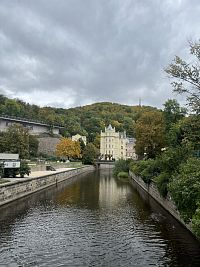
(130, 148)
(78, 137)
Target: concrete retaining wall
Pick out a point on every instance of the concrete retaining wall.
(17, 189)
(166, 203)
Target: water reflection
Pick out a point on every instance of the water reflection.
(93, 220)
(110, 193)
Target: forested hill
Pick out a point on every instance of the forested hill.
(87, 120)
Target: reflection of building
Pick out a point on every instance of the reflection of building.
(113, 144)
(110, 194)
(78, 136)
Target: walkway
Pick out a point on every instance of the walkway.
(38, 174)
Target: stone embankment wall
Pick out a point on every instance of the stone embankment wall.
(47, 145)
(166, 203)
(17, 189)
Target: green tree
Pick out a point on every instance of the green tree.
(150, 134)
(17, 140)
(82, 145)
(172, 112)
(90, 153)
(186, 77)
(3, 142)
(33, 146)
(11, 108)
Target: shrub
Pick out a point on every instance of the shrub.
(162, 181)
(185, 188)
(196, 222)
(24, 169)
(146, 169)
(121, 165)
(122, 175)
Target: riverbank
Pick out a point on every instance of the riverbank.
(166, 203)
(20, 187)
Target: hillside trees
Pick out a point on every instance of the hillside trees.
(87, 120)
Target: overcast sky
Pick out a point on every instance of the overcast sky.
(67, 53)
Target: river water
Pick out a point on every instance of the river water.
(93, 220)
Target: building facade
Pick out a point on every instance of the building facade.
(78, 136)
(112, 144)
(116, 145)
(130, 149)
(35, 128)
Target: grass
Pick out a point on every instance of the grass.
(122, 175)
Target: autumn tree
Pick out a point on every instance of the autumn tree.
(186, 77)
(68, 148)
(150, 134)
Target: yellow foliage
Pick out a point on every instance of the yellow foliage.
(68, 148)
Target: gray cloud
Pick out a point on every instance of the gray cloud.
(68, 53)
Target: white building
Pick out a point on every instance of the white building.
(78, 136)
(113, 144)
(116, 145)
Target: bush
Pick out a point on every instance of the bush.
(196, 222)
(185, 188)
(121, 165)
(162, 181)
(146, 169)
(122, 175)
(24, 169)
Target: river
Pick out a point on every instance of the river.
(93, 220)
